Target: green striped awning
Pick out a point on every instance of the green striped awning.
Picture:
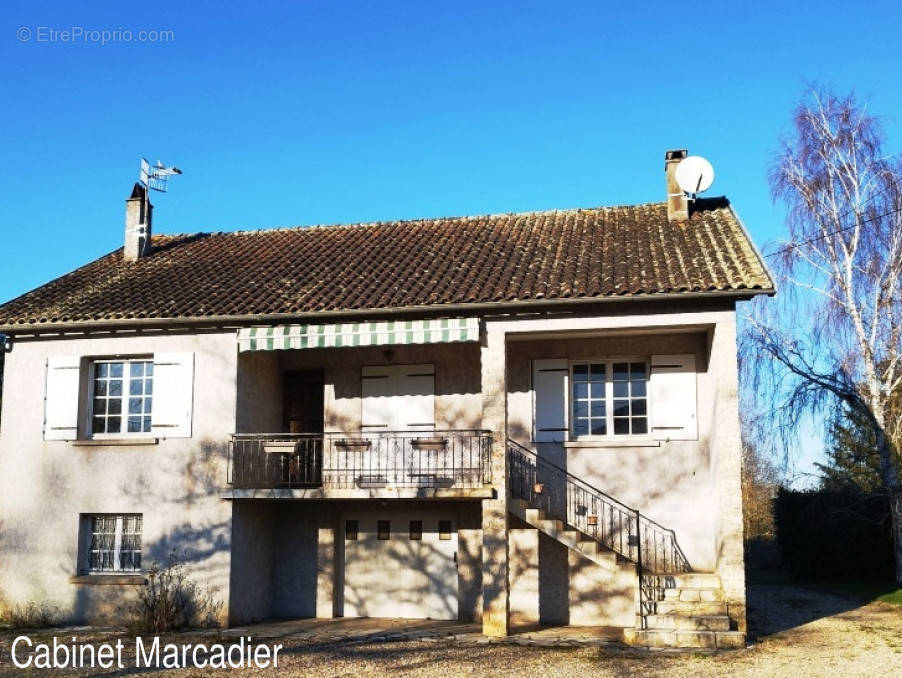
(283, 337)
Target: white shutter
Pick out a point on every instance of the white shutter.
(61, 398)
(376, 406)
(549, 385)
(398, 398)
(673, 397)
(173, 395)
(415, 409)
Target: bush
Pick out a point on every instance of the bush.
(169, 601)
(32, 616)
(835, 535)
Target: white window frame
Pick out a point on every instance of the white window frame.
(124, 414)
(88, 527)
(609, 400)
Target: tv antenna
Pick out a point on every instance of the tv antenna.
(694, 175)
(156, 177)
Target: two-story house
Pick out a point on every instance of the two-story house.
(507, 418)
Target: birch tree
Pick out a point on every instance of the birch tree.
(833, 337)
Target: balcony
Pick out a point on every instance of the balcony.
(402, 464)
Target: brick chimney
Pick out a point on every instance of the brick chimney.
(677, 200)
(138, 218)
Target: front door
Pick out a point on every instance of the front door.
(303, 401)
(303, 413)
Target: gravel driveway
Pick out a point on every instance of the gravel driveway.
(794, 632)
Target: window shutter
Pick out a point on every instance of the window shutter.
(673, 398)
(173, 395)
(415, 409)
(61, 398)
(376, 405)
(398, 398)
(549, 385)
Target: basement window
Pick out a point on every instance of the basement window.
(111, 543)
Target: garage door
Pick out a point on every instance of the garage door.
(400, 565)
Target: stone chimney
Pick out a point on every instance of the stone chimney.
(677, 200)
(138, 218)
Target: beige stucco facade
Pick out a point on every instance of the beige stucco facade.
(269, 557)
(48, 485)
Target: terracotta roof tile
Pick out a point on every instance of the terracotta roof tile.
(586, 253)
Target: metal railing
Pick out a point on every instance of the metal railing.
(616, 526)
(387, 459)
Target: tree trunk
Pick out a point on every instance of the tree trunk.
(893, 484)
(895, 507)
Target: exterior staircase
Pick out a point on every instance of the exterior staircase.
(573, 539)
(687, 610)
(677, 607)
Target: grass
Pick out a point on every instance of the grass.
(865, 591)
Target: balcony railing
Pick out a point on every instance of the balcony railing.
(457, 459)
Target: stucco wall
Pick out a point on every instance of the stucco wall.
(670, 482)
(458, 402)
(46, 485)
(550, 584)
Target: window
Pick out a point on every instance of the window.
(444, 530)
(351, 530)
(609, 398)
(122, 396)
(114, 543)
(383, 529)
(416, 530)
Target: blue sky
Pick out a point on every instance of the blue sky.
(292, 113)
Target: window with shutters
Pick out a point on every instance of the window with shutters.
(121, 397)
(107, 398)
(111, 543)
(608, 398)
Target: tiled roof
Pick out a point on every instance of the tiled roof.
(580, 253)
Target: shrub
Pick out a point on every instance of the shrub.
(32, 616)
(169, 601)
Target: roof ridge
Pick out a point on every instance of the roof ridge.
(418, 220)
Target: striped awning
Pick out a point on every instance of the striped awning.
(284, 337)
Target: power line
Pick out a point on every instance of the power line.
(794, 245)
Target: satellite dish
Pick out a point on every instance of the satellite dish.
(694, 174)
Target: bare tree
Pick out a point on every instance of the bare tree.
(834, 336)
(760, 482)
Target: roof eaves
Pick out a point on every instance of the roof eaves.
(474, 308)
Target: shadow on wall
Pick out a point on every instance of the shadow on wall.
(195, 524)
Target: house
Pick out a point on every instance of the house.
(509, 418)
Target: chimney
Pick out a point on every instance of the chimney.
(677, 200)
(138, 217)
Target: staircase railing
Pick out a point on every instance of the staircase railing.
(565, 497)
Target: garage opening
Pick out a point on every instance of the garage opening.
(400, 564)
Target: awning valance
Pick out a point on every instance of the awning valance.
(384, 333)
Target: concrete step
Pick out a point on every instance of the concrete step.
(675, 622)
(691, 580)
(689, 639)
(568, 536)
(693, 595)
(690, 608)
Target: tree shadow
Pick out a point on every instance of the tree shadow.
(776, 607)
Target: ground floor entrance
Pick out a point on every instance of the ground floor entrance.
(355, 559)
(400, 564)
